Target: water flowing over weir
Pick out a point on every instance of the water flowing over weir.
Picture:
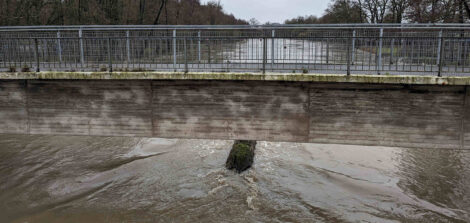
(77, 179)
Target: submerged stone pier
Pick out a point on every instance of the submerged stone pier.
(386, 110)
(241, 156)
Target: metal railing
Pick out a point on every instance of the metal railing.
(428, 49)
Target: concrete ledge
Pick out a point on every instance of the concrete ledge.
(331, 78)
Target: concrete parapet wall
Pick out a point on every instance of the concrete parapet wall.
(310, 77)
(405, 115)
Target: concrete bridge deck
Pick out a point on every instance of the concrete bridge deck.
(405, 111)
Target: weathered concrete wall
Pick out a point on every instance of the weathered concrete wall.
(120, 108)
(230, 110)
(465, 136)
(13, 107)
(389, 115)
(364, 114)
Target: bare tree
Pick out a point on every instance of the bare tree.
(397, 8)
(160, 10)
(467, 8)
(375, 10)
(71, 12)
(141, 11)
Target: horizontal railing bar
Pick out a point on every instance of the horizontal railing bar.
(238, 38)
(231, 27)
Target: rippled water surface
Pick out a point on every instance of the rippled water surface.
(96, 179)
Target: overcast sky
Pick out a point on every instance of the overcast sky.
(273, 10)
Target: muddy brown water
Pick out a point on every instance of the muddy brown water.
(122, 179)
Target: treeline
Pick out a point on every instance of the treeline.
(391, 11)
(113, 12)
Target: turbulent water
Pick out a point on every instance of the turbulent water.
(96, 179)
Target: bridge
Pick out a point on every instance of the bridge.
(391, 85)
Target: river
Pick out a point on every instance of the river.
(124, 179)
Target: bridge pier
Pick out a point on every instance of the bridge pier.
(241, 156)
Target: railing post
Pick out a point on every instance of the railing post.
(199, 46)
(353, 46)
(128, 47)
(110, 63)
(59, 46)
(379, 68)
(273, 34)
(439, 43)
(327, 51)
(349, 54)
(441, 55)
(82, 54)
(36, 52)
(174, 49)
(264, 54)
(392, 46)
(186, 70)
(209, 51)
(4, 54)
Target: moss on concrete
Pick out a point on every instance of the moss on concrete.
(241, 156)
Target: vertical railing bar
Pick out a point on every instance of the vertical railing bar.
(186, 70)
(160, 59)
(350, 53)
(110, 63)
(36, 52)
(59, 46)
(392, 46)
(82, 56)
(465, 50)
(439, 43)
(309, 55)
(44, 51)
(174, 50)
(327, 51)
(264, 54)
(303, 53)
(199, 46)
(209, 53)
(371, 42)
(128, 46)
(21, 53)
(4, 54)
(379, 68)
(348, 56)
(273, 35)
(412, 54)
(353, 48)
(459, 56)
(14, 53)
(441, 55)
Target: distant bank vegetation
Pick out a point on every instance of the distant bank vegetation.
(110, 12)
(193, 12)
(390, 11)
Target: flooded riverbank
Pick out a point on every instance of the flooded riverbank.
(119, 179)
